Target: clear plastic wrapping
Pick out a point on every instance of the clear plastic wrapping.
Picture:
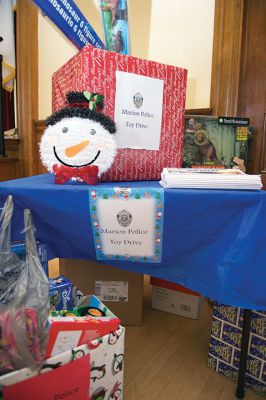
(24, 299)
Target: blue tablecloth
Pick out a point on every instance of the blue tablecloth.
(214, 241)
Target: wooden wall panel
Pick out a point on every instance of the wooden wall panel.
(9, 168)
(27, 81)
(227, 41)
(9, 165)
(238, 70)
(263, 150)
(252, 88)
(12, 147)
(39, 126)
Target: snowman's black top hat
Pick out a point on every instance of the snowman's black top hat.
(83, 105)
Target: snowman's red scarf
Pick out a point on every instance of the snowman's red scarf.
(87, 174)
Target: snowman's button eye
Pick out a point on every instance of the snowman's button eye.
(65, 129)
(92, 131)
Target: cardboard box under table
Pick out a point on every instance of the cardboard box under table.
(146, 99)
(225, 345)
(121, 291)
(176, 299)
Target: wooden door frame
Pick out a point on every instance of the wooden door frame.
(27, 82)
(229, 83)
(226, 56)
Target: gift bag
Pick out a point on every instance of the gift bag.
(24, 299)
(68, 381)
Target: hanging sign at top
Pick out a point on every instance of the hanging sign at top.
(70, 20)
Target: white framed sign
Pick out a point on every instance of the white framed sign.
(127, 223)
(138, 111)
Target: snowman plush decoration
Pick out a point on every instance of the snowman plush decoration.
(78, 144)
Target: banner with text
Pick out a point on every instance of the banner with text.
(127, 223)
(70, 20)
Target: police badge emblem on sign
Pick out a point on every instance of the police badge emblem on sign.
(138, 100)
(124, 218)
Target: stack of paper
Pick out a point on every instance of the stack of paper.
(209, 179)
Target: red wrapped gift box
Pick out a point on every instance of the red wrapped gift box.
(94, 70)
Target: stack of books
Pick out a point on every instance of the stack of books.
(197, 178)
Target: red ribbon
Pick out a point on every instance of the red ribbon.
(87, 174)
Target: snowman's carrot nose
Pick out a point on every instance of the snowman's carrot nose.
(73, 150)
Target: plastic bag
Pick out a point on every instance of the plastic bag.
(24, 299)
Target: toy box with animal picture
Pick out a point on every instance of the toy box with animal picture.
(92, 371)
(146, 100)
(215, 142)
(60, 290)
(225, 344)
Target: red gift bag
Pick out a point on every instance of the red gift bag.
(95, 70)
(69, 381)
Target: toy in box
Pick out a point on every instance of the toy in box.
(215, 142)
(86, 323)
(60, 289)
(225, 345)
(19, 249)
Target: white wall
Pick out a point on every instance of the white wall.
(178, 32)
(54, 51)
(181, 34)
